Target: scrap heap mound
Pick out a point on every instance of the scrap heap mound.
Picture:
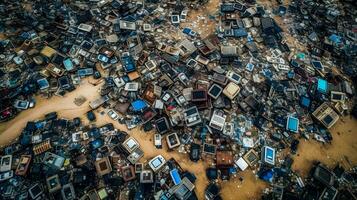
(239, 97)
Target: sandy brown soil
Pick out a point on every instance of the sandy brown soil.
(342, 149)
(64, 105)
(250, 188)
(201, 20)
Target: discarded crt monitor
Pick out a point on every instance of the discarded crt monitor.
(138, 105)
(20, 104)
(146, 176)
(35, 191)
(234, 77)
(103, 166)
(64, 82)
(189, 32)
(240, 32)
(268, 155)
(212, 192)
(215, 91)
(162, 125)
(218, 119)
(326, 115)
(199, 95)
(97, 143)
(241, 163)
(5, 163)
(317, 65)
(267, 175)
(322, 86)
(85, 72)
(305, 101)
(250, 67)
(130, 144)
(128, 63)
(23, 166)
(324, 175)
(157, 162)
(135, 155)
(329, 193)
(67, 192)
(172, 140)
(175, 176)
(212, 173)
(231, 90)
(292, 124)
(53, 160)
(195, 152)
(192, 116)
(53, 183)
(337, 96)
(128, 173)
(43, 83)
(335, 39)
(220, 79)
(68, 64)
(175, 19)
(209, 149)
(184, 190)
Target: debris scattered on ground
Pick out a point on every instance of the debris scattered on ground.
(240, 94)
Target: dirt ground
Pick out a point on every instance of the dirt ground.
(203, 20)
(342, 149)
(64, 105)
